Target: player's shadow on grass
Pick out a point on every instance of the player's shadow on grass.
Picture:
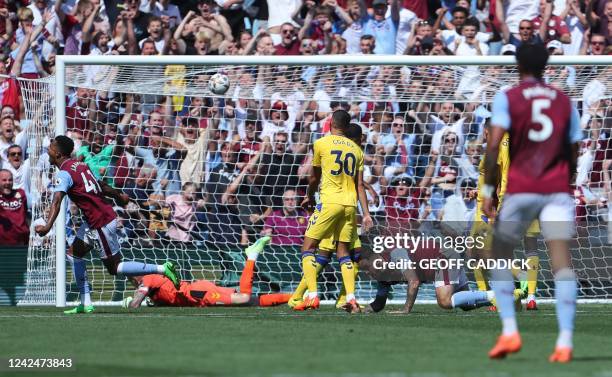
(593, 358)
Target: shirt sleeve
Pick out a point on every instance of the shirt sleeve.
(501, 113)
(316, 154)
(63, 182)
(575, 133)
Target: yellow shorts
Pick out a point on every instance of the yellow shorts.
(480, 228)
(329, 245)
(483, 231)
(333, 221)
(534, 229)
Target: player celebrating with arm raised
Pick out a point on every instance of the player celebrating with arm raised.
(338, 166)
(78, 182)
(544, 135)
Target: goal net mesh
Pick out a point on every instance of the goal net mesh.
(209, 174)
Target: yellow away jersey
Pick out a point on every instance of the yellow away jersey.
(503, 162)
(340, 160)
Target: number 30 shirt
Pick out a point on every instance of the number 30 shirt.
(340, 160)
(542, 124)
(76, 180)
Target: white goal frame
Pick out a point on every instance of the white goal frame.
(63, 61)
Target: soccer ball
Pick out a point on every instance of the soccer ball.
(219, 83)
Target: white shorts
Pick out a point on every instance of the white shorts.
(556, 213)
(106, 238)
(451, 276)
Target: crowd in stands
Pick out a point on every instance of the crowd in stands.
(225, 170)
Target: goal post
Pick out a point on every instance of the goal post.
(143, 79)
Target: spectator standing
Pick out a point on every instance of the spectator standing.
(19, 168)
(290, 42)
(401, 203)
(8, 137)
(353, 32)
(182, 218)
(164, 10)
(557, 28)
(278, 170)
(526, 32)
(14, 229)
(287, 225)
(384, 29)
(577, 24)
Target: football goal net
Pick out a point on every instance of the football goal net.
(208, 174)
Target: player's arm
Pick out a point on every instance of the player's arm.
(139, 295)
(412, 289)
(54, 210)
(315, 178)
(313, 186)
(366, 220)
(543, 32)
(109, 192)
(503, 166)
(63, 184)
(575, 137)
(500, 123)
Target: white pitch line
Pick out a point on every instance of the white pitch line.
(582, 313)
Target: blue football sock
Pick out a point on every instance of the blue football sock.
(323, 260)
(565, 297)
(138, 268)
(79, 270)
(468, 300)
(503, 285)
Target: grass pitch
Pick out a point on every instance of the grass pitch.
(175, 342)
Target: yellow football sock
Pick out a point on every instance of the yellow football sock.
(516, 273)
(481, 280)
(309, 268)
(532, 274)
(303, 286)
(348, 278)
(342, 296)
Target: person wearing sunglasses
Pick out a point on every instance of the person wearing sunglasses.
(527, 31)
(19, 168)
(290, 41)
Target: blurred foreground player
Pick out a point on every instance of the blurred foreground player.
(544, 142)
(205, 293)
(100, 226)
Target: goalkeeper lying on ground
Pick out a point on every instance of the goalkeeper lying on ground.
(200, 293)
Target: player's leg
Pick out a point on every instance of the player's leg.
(322, 259)
(459, 295)
(355, 253)
(533, 261)
(78, 250)
(558, 228)
(321, 225)
(274, 299)
(484, 230)
(110, 248)
(517, 212)
(252, 252)
(345, 236)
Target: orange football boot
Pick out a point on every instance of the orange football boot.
(308, 303)
(561, 355)
(505, 345)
